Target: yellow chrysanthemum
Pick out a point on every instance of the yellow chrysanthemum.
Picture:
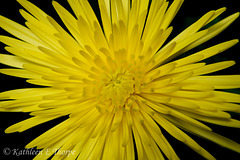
(120, 86)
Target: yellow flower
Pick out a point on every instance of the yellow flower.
(120, 83)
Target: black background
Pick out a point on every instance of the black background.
(190, 12)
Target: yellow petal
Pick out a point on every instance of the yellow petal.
(28, 123)
(191, 95)
(191, 143)
(154, 22)
(12, 60)
(20, 73)
(229, 97)
(194, 27)
(145, 138)
(169, 127)
(213, 67)
(206, 53)
(20, 45)
(185, 42)
(212, 136)
(222, 122)
(156, 97)
(195, 87)
(19, 31)
(69, 21)
(189, 67)
(34, 10)
(182, 102)
(218, 82)
(105, 16)
(76, 7)
(171, 12)
(214, 31)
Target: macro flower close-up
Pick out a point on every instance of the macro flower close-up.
(120, 80)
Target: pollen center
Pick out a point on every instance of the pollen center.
(117, 88)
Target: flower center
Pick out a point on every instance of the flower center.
(117, 88)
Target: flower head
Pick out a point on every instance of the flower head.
(121, 82)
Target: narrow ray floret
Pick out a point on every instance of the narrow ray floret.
(118, 79)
